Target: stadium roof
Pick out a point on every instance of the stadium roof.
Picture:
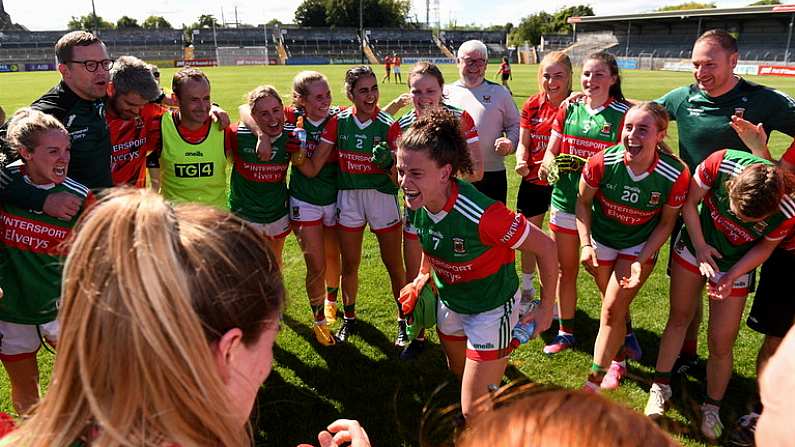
(746, 12)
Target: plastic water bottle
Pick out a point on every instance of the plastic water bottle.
(299, 157)
(523, 332)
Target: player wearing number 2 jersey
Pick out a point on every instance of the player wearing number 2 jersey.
(468, 242)
(581, 129)
(367, 192)
(629, 198)
(747, 209)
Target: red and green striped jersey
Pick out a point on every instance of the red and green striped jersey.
(583, 132)
(32, 256)
(536, 117)
(465, 121)
(354, 141)
(258, 189)
(322, 188)
(627, 207)
(470, 244)
(723, 230)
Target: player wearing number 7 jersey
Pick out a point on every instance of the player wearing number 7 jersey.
(746, 209)
(630, 196)
(468, 242)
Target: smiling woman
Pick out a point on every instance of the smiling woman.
(31, 251)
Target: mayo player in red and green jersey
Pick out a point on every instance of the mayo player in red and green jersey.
(33, 252)
(630, 196)
(535, 126)
(582, 129)
(258, 187)
(426, 84)
(745, 211)
(367, 193)
(468, 242)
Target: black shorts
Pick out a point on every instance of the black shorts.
(773, 311)
(532, 199)
(506, 76)
(494, 185)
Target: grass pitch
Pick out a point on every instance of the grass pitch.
(312, 385)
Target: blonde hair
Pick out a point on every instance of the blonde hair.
(26, 125)
(147, 289)
(301, 83)
(262, 91)
(555, 57)
(537, 416)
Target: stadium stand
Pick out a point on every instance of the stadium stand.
(328, 43)
(762, 32)
(407, 43)
(494, 40)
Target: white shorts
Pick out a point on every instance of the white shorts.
(683, 256)
(487, 334)
(305, 213)
(608, 255)
(278, 229)
(22, 341)
(562, 222)
(359, 207)
(396, 69)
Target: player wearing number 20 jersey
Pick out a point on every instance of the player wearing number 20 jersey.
(627, 207)
(584, 132)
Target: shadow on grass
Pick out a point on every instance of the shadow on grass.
(385, 394)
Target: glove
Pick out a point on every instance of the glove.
(570, 163)
(382, 156)
(410, 293)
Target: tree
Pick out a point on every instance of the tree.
(376, 13)
(311, 13)
(156, 22)
(531, 28)
(88, 22)
(207, 21)
(274, 22)
(765, 2)
(560, 22)
(687, 6)
(127, 23)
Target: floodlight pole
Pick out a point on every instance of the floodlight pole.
(361, 30)
(789, 39)
(96, 22)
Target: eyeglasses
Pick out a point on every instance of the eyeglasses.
(474, 62)
(91, 66)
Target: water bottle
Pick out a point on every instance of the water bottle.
(523, 332)
(299, 157)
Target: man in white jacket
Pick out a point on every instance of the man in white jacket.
(494, 112)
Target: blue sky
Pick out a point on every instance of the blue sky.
(31, 13)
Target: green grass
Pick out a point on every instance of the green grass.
(312, 385)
